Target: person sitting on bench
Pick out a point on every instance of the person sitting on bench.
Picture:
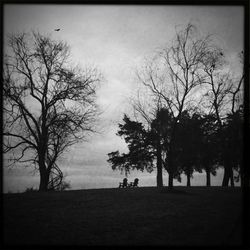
(124, 183)
(135, 184)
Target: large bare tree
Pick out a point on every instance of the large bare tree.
(49, 105)
(224, 96)
(175, 77)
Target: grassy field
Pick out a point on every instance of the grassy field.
(139, 216)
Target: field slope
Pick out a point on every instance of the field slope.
(139, 216)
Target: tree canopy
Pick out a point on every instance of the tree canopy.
(49, 104)
(194, 100)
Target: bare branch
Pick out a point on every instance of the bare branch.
(64, 110)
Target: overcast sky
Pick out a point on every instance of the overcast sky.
(116, 39)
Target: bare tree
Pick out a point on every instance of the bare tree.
(175, 77)
(218, 83)
(237, 106)
(237, 88)
(224, 96)
(48, 104)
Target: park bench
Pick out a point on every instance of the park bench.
(125, 184)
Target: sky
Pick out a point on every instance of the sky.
(116, 39)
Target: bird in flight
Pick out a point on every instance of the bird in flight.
(57, 29)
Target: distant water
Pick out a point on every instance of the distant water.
(18, 180)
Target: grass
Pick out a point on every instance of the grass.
(139, 216)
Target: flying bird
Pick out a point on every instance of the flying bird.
(57, 29)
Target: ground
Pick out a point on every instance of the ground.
(137, 216)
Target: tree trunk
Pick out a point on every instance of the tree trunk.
(159, 167)
(170, 171)
(170, 179)
(44, 175)
(44, 180)
(226, 176)
(188, 179)
(231, 176)
(208, 176)
(241, 178)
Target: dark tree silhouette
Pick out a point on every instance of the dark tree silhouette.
(209, 152)
(190, 75)
(160, 134)
(188, 142)
(174, 76)
(232, 145)
(224, 95)
(145, 145)
(141, 151)
(157, 120)
(48, 104)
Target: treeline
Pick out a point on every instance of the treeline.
(188, 115)
(199, 145)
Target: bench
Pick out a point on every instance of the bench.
(125, 184)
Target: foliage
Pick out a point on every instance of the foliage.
(232, 135)
(190, 76)
(187, 144)
(145, 145)
(141, 152)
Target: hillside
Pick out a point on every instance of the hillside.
(139, 216)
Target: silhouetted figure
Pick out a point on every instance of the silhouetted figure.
(124, 184)
(135, 184)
